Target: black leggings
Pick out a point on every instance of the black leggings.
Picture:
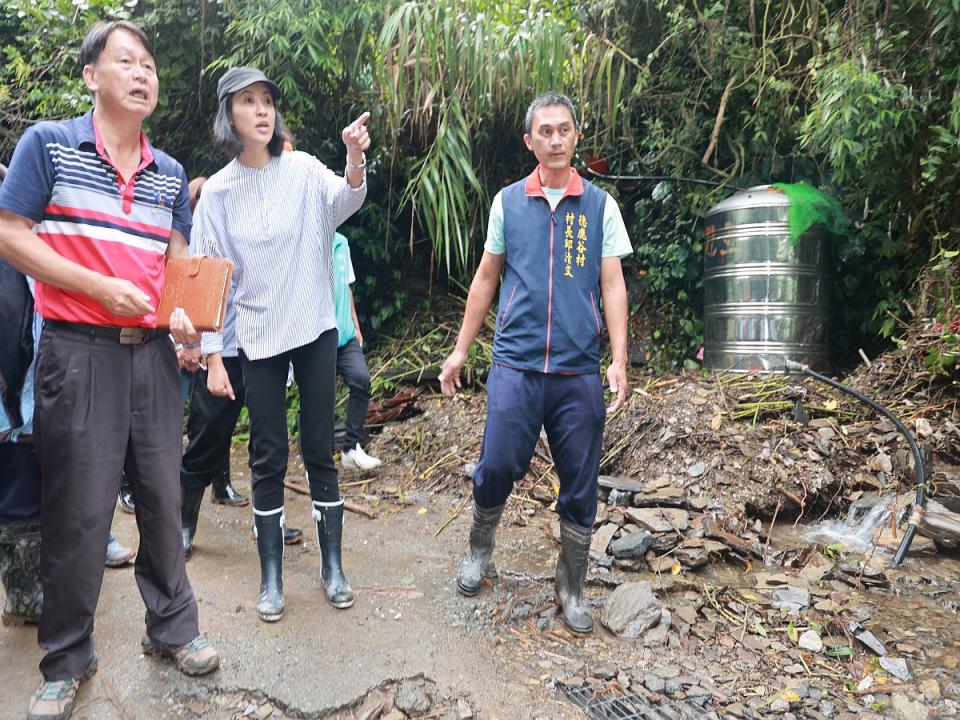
(314, 367)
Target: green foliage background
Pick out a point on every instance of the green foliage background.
(859, 98)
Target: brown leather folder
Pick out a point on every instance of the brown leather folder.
(200, 285)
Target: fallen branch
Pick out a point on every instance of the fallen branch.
(347, 505)
(453, 516)
(359, 509)
(885, 689)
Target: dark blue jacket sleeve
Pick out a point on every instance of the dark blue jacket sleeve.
(29, 183)
(182, 218)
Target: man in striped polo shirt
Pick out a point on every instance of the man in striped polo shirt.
(92, 211)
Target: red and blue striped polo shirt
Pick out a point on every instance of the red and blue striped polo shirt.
(62, 179)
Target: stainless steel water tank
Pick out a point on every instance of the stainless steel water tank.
(764, 298)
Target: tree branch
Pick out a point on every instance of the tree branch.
(715, 135)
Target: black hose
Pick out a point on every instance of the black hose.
(921, 500)
(663, 178)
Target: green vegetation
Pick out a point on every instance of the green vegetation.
(860, 99)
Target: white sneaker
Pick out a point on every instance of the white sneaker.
(118, 555)
(356, 458)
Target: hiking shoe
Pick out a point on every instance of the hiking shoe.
(54, 700)
(197, 657)
(118, 555)
(357, 459)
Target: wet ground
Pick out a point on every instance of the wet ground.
(503, 654)
(726, 644)
(317, 661)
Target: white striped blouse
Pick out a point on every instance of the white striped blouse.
(276, 225)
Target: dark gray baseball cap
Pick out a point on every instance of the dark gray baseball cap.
(240, 77)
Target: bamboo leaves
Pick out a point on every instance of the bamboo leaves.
(454, 68)
(438, 182)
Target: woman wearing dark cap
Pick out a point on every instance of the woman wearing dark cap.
(273, 213)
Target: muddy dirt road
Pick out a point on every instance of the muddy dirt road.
(317, 659)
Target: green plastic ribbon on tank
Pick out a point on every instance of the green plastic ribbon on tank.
(808, 207)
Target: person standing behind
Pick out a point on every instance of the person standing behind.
(273, 213)
(558, 240)
(92, 210)
(351, 364)
(201, 459)
(20, 489)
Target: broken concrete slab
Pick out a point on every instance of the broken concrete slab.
(412, 698)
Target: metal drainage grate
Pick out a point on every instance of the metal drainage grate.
(608, 706)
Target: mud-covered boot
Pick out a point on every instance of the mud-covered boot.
(190, 499)
(20, 572)
(476, 563)
(329, 517)
(571, 575)
(268, 526)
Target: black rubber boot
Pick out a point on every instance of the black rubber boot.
(329, 536)
(269, 530)
(476, 564)
(572, 574)
(20, 572)
(125, 497)
(292, 536)
(224, 494)
(190, 499)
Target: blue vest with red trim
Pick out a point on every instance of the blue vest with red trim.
(548, 318)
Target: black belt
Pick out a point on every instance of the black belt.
(121, 335)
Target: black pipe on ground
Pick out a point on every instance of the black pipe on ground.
(921, 500)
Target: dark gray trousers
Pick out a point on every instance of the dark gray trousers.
(104, 409)
(210, 428)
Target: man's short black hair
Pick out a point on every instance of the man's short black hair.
(96, 39)
(548, 99)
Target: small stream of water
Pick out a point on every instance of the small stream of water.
(859, 530)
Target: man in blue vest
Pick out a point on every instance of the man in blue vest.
(557, 240)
